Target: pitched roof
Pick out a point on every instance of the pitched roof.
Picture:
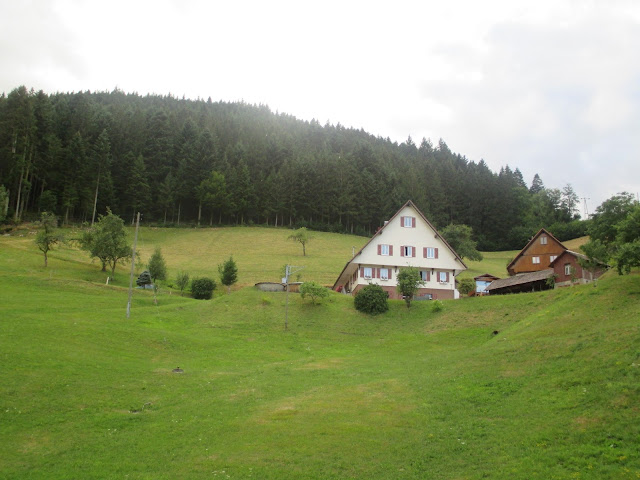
(520, 279)
(487, 276)
(379, 231)
(575, 254)
(533, 239)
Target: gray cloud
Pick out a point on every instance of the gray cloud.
(558, 100)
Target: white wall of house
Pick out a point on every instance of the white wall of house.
(408, 241)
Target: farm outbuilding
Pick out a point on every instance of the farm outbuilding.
(523, 282)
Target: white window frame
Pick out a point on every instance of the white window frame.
(370, 276)
(543, 240)
(408, 250)
(423, 275)
(408, 222)
(384, 250)
(384, 274)
(535, 260)
(442, 277)
(567, 269)
(552, 258)
(431, 252)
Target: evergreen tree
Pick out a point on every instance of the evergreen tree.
(536, 185)
(228, 273)
(157, 266)
(138, 194)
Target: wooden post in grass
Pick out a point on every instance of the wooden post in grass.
(133, 262)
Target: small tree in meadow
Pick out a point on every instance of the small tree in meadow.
(228, 273)
(314, 291)
(302, 236)
(182, 280)
(107, 240)
(372, 299)
(47, 238)
(157, 266)
(409, 282)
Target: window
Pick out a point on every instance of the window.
(424, 275)
(384, 250)
(552, 258)
(543, 240)
(443, 277)
(430, 252)
(408, 222)
(367, 272)
(407, 251)
(535, 260)
(384, 274)
(567, 269)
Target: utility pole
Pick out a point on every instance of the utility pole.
(586, 209)
(133, 262)
(289, 270)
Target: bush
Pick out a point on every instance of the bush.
(437, 306)
(372, 299)
(466, 286)
(202, 288)
(313, 290)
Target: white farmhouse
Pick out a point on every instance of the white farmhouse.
(407, 240)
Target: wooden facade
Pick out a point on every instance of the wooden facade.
(567, 269)
(538, 254)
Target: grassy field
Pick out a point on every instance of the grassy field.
(533, 386)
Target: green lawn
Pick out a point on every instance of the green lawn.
(411, 394)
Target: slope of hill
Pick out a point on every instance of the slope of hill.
(541, 385)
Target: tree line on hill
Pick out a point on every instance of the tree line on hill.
(202, 162)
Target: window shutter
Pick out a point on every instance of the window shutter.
(377, 273)
(401, 250)
(413, 222)
(413, 251)
(390, 250)
(447, 277)
(389, 273)
(428, 276)
(402, 221)
(379, 249)
(436, 250)
(361, 272)
(424, 252)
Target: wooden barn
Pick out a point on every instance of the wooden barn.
(537, 255)
(568, 270)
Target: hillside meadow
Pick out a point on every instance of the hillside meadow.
(532, 386)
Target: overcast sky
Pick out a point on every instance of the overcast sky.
(549, 87)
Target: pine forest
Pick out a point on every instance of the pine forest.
(194, 162)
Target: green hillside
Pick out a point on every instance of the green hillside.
(532, 386)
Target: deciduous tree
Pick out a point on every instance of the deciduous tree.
(47, 238)
(107, 241)
(409, 282)
(301, 236)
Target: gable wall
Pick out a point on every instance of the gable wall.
(525, 262)
(397, 236)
